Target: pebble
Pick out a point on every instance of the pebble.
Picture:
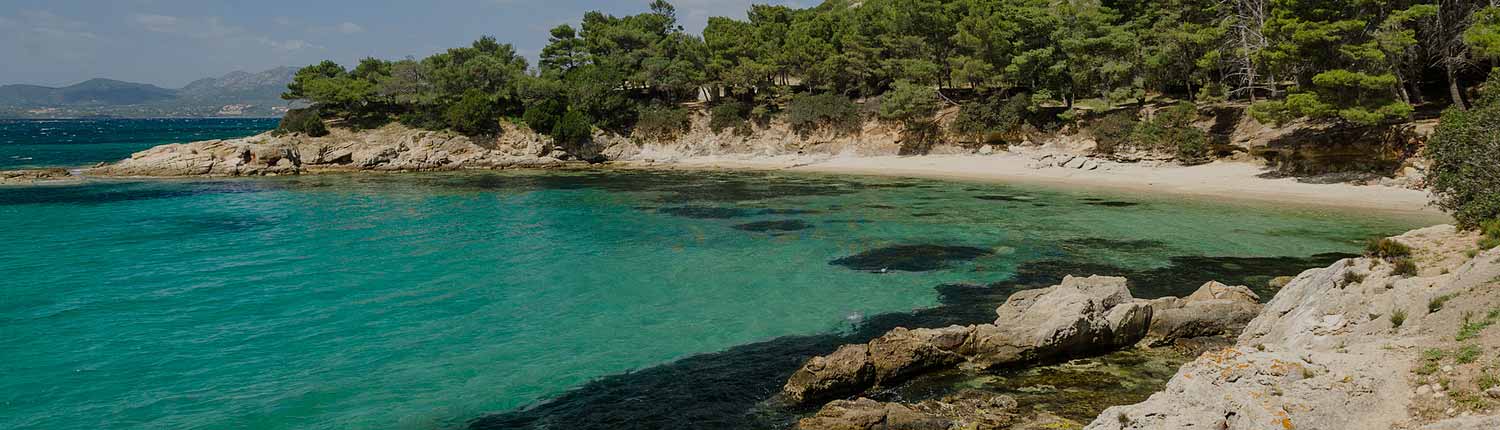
(1423, 390)
(1447, 369)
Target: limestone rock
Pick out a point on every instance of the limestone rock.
(846, 370)
(967, 409)
(1323, 353)
(866, 414)
(1213, 309)
(1073, 317)
(1079, 315)
(902, 352)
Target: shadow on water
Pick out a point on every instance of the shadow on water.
(106, 193)
(733, 389)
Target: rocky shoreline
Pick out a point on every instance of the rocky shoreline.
(1359, 344)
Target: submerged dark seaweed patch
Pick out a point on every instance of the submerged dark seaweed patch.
(1114, 244)
(95, 193)
(702, 212)
(1111, 204)
(910, 258)
(926, 214)
(781, 225)
(789, 212)
(729, 389)
(1001, 198)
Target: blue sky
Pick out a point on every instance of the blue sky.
(172, 42)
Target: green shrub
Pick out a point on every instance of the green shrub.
(542, 117)
(1388, 249)
(1465, 155)
(475, 113)
(1351, 278)
(909, 103)
(993, 120)
(1436, 303)
(305, 121)
(572, 130)
(1171, 130)
(1404, 267)
(1471, 328)
(729, 115)
(1491, 231)
(663, 123)
(1115, 132)
(809, 112)
(1398, 318)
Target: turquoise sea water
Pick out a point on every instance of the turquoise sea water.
(439, 301)
(70, 143)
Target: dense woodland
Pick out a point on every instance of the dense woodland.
(1005, 64)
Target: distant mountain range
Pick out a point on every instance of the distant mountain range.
(238, 94)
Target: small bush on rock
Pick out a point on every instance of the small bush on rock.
(1398, 318)
(1404, 267)
(1465, 154)
(994, 120)
(473, 114)
(305, 121)
(662, 123)
(810, 112)
(1114, 132)
(730, 115)
(1387, 249)
(572, 130)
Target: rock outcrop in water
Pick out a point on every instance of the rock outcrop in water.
(390, 148)
(33, 176)
(967, 409)
(1356, 345)
(1078, 316)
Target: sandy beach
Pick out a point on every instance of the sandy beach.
(1228, 180)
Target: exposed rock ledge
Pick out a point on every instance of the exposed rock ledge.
(34, 176)
(389, 148)
(1351, 346)
(1078, 316)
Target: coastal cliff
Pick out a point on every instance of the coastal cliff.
(1367, 342)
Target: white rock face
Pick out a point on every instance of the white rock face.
(1323, 354)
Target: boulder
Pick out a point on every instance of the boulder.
(901, 352)
(847, 370)
(1077, 316)
(986, 150)
(866, 414)
(968, 409)
(1075, 163)
(1214, 309)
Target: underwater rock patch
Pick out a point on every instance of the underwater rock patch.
(773, 226)
(910, 258)
(1113, 204)
(1003, 198)
(704, 212)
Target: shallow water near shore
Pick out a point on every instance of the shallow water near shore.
(628, 299)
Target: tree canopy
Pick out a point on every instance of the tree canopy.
(1355, 61)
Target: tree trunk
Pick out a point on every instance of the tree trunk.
(1453, 88)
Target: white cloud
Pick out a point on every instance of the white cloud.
(349, 28)
(156, 23)
(213, 30)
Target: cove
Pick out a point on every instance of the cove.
(544, 299)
